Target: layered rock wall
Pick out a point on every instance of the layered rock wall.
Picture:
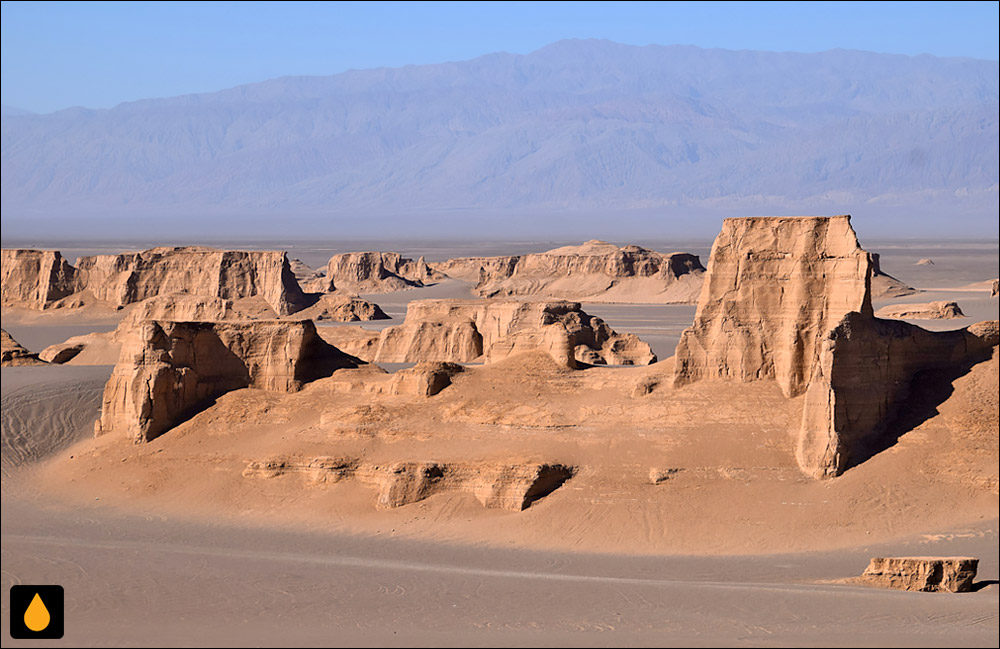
(34, 279)
(596, 271)
(774, 288)
(462, 331)
(167, 370)
(374, 272)
(926, 574)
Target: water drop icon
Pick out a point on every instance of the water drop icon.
(36, 616)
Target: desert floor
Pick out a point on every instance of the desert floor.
(167, 544)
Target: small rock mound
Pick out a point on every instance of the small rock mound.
(425, 379)
(342, 308)
(924, 262)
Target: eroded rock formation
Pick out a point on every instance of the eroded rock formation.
(885, 286)
(462, 331)
(789, 299)
(928, 574)
(940, 310)
(375, 272)
(342, 308)
(35, 279)
(13, 354)
(774, 288)
(424, 379)
(167, 370)
(42, 279)
(509, 486)
(596, 271)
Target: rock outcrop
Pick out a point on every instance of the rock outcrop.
(168, 370)
(424, 380)
(596, 271)
(789, 299)
(228, 274)
(13, 354)
(941, 310)
(43, 279)
(507, 486)
(375, 272)
(774, 288)
(924, 262)
(995, 289)
(462, 331)
(927, 574)
(342, 308)
(35, 279)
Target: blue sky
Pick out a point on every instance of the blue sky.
(99, 54)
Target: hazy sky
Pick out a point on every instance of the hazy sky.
(99, 54)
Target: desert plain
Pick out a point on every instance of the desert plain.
(507, 443)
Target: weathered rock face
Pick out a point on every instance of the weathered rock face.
(14, 354)
(788, 299)
(34, 279)
(375, 272)
(342, 308)
(227, 274)
(462, 331)
(928, 574)
(168, 370)
(774, 288)
(596, 271)
(995, 289)
(887, 287)
(40, 279)
(862, 378)
(941, 310)
(508, 486)
(425, 379)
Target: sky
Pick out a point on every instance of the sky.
(98, 54)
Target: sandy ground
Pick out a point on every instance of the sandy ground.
(167, 544)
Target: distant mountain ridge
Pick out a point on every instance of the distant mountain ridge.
(579, 126)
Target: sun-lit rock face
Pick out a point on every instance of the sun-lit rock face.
(168, 370)
(373, 272)
(788, 299)
(34, 279)
(595, 271)
(462, 331)
(774, 288)
(927, 574)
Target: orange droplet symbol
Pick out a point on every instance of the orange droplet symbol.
(37, 617)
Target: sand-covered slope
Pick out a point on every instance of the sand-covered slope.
(595, 271)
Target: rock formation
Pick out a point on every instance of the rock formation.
(34, 279)
(928, 574)
(42, 279)
(995, 289)
(168, 370)
(789, 299)
(862, 377)
(13, 354)
(887, 287)
(941, 310)
(462, 331)
(596, 271)
(774, 288)
(508, 486)
(375, 272)
(424, 380)
(342, 308)
(924, 262)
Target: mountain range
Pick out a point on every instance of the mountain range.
(584, 135)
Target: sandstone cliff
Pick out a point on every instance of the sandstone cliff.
(941, 310)
(43, 279)
(342, 308)
(789, 299)
(596, 271)
(774, 288)
(462, 331)
(374, 272)
(13, 354)
(167, 370)
(34, 279)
